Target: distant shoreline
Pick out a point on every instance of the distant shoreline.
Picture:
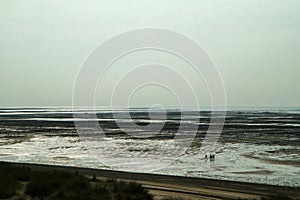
(179, 186)
(202, 108)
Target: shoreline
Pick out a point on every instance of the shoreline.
(179, 186)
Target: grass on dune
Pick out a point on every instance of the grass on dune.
(24, 183)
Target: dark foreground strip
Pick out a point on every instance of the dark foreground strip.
(211, 184)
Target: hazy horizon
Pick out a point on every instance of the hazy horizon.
(107, 108)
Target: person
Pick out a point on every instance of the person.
(212, 157)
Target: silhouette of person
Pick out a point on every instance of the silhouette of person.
(212, 157)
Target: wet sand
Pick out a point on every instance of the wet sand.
(258, 146)
(161, 186)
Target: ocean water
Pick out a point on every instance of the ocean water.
(261, 146)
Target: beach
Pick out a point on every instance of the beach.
(256, 146)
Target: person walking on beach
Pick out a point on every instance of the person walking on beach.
(212, 157)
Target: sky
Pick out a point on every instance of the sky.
(255, 44)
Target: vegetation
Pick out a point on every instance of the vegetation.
(24, 183)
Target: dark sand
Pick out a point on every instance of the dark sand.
(177, 186)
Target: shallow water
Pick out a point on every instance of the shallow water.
(255, 146)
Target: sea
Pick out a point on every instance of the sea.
(258, 145)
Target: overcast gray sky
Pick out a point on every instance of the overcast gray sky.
(254, 43)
